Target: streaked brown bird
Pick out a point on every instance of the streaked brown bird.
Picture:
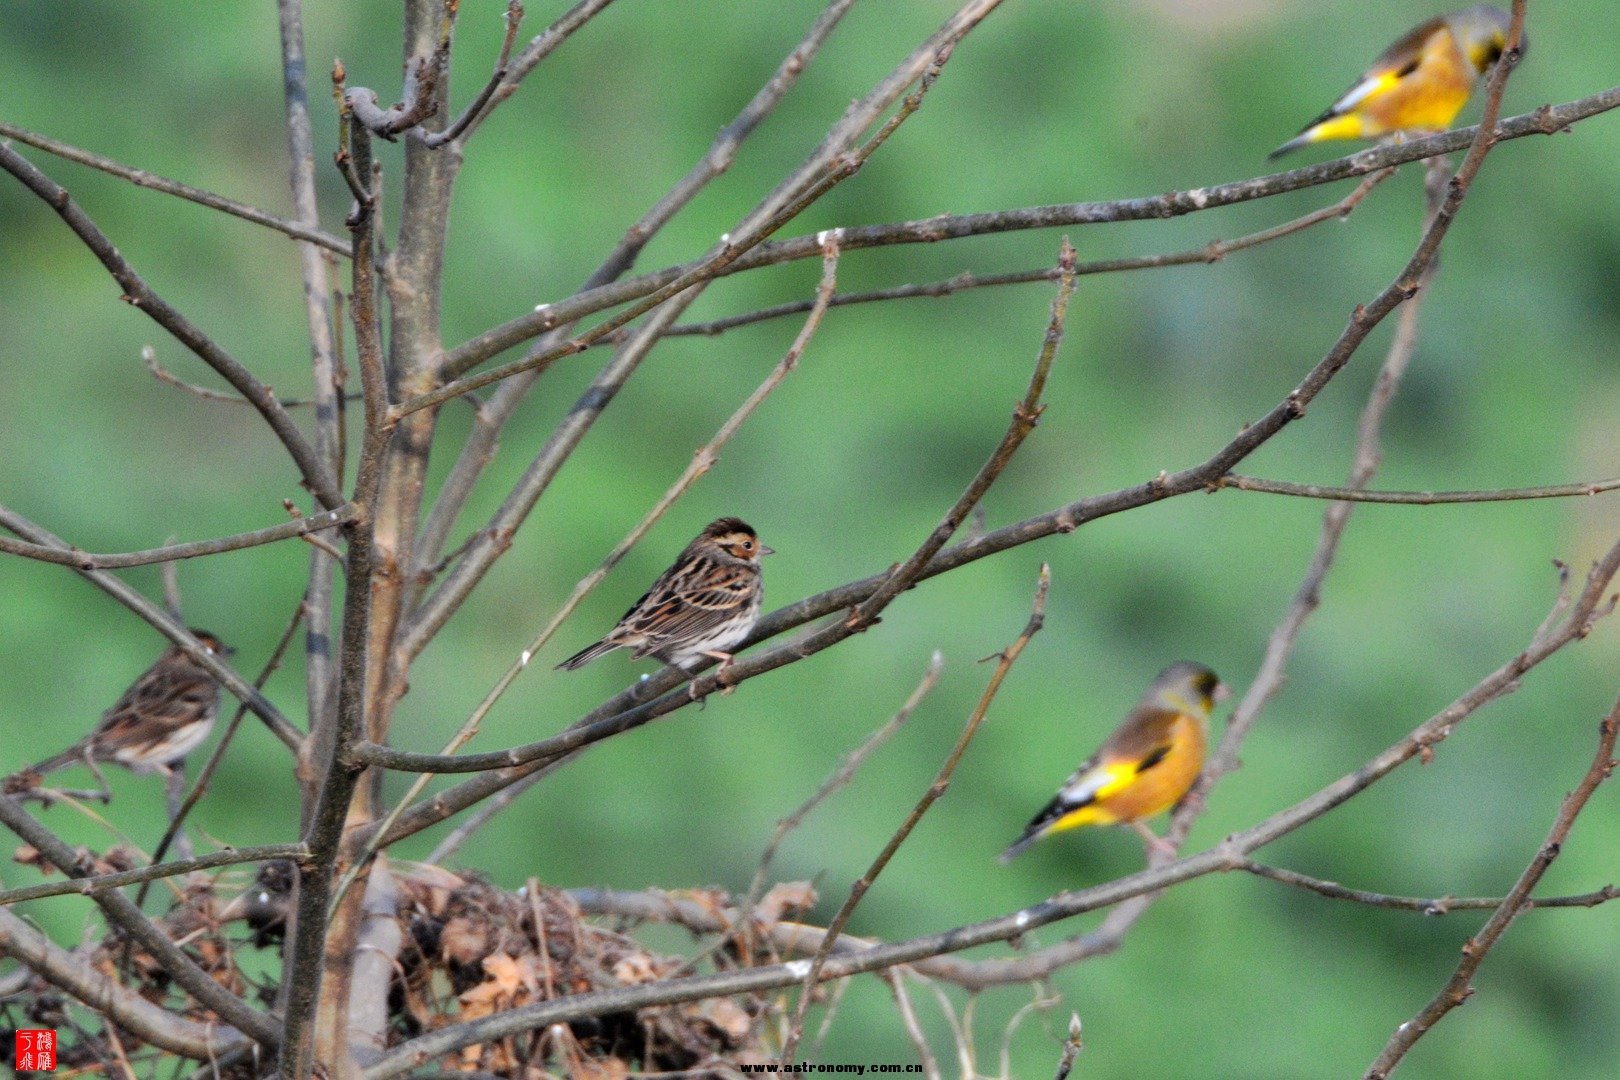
(699, 608)
(1144, 768)
(160, 719)
(1418, 84)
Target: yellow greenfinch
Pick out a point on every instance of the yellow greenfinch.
(1419, 84)
(1145, 767)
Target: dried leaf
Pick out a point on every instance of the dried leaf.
(465, 941)
(28, 855)
(788, 896)
(505, 981)
(610, 1068)
(725, 1016)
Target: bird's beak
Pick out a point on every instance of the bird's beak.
(764, 551)
(1222, 692)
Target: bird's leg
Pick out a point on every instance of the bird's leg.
(1153, 842)
(174, 789)
(726, 660)
(105, 795)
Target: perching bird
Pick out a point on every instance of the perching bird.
(700, 607)
(160, 719)
(1419, 84)
(1145, 767)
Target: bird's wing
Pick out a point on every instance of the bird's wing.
(1394, 64)
(156, 705)
(1139, 744)
(691, 598)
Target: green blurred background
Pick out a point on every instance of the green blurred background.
(1515, 382)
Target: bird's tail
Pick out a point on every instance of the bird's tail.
(73, 755)
(1017, 847)
(587, 654)
(1304, 138)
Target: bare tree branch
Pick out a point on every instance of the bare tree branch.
(317, 477)
(121, 912)
(1547, 120)
(296, 229)
(1437, 905)
(128, 1009)
(336, 784)
(1457, 989)
(84, 560)
(507, 79)
(164, 375)
(169, 627)
(325, 339)
(514, 17)
(1416, 498)
(89, 886)
(1228, 855)
(1212, 252)
(1008, 657)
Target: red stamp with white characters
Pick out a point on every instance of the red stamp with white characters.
(36, 1051)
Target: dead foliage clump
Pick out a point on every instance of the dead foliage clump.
(467, 950)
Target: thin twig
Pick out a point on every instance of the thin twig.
(942, 781)
(142, 178)
(1227, 856)
(514, 18)
(337, 784)
(1457, 989)
(90, 886)
(206, 393)
(702, 461)
(1416, 498)
(84, 560)
(75, 976)
(120, 911)
(317, 477)
(1212, 252)
(1436, 905)
(841, 776)
(731, 248)
(1547, 120)
(896, 980)
(542, 46)
(323, 308)
(206, 774)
